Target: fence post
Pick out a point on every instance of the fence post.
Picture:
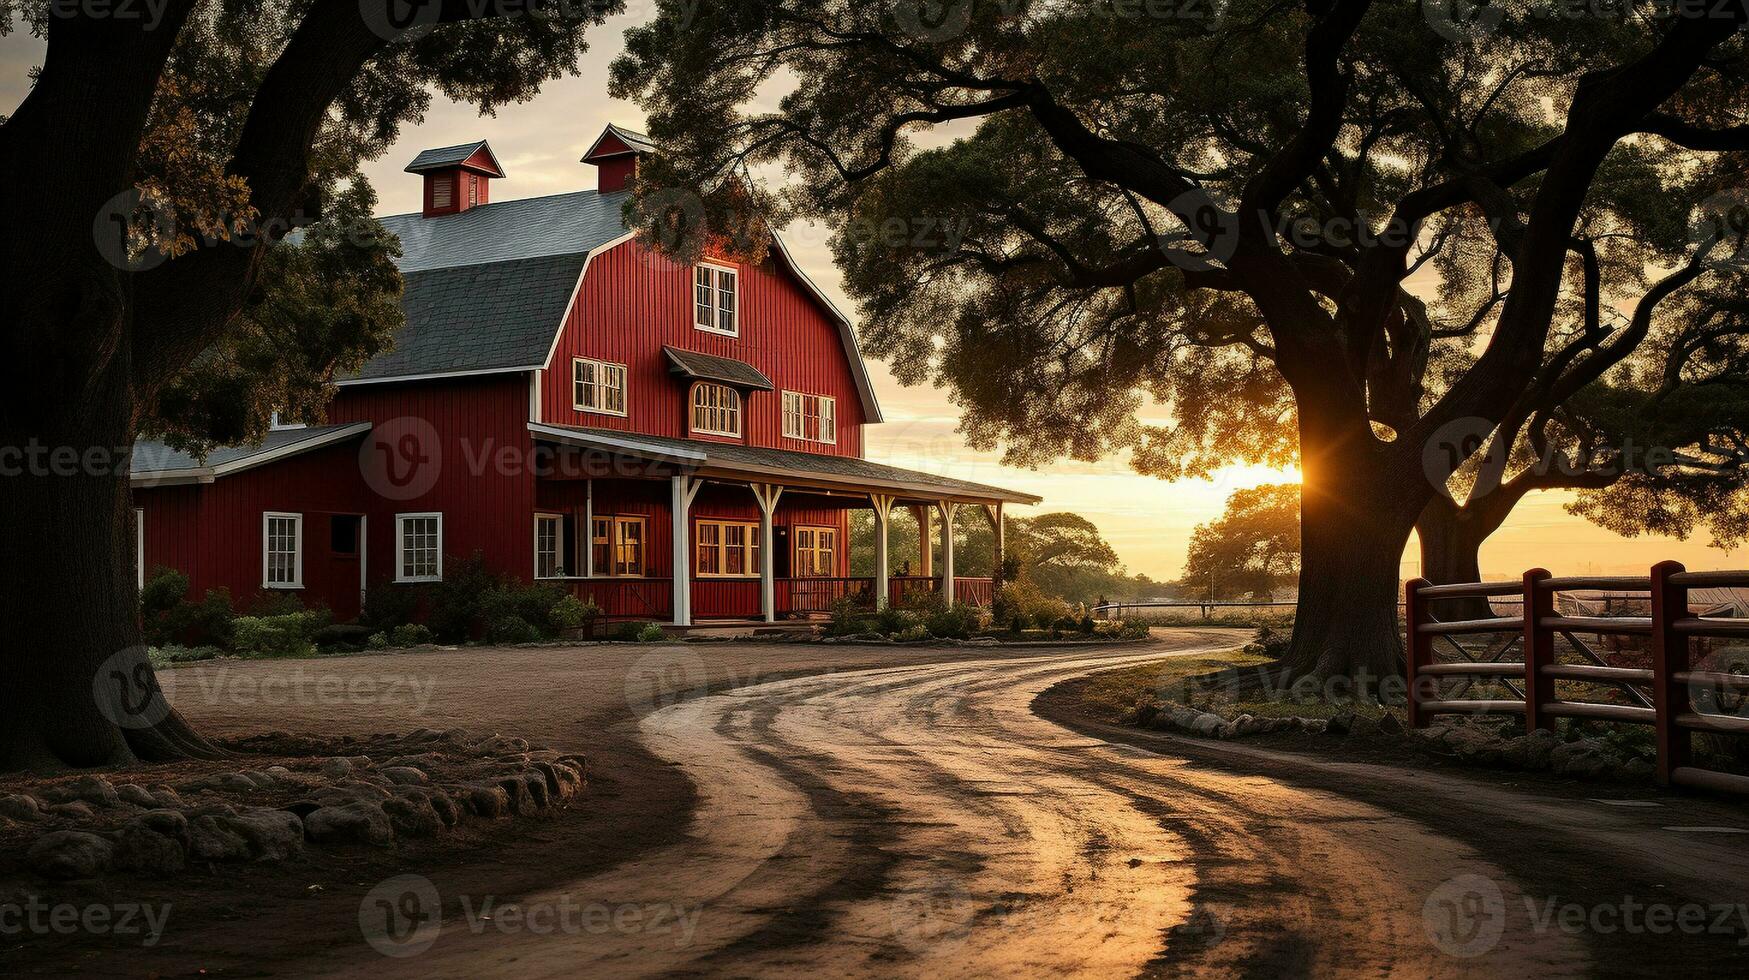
(1669, 658)
(1539, 649)
(1419, 645)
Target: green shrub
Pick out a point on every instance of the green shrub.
(923, 600)
(274, 603)
(627, 632)
(378, 641)
(651, 633)
(276, 636)
(571, 613)
(849, 618)
(1020, 599)
(174, 654)
(912, 635)
(957, 622)
(458, 602)
(411, 635)
(533, 604)
(512, 629)
(163, 591)
(892, 619)
(388, 605)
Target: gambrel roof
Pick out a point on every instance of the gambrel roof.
(514, 254)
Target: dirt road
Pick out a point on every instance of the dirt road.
(924, 820)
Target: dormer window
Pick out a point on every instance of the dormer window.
(715, 300)
(716, 409)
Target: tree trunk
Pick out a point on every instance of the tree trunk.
(1346, 621)
(1451, 545)
(80, 691)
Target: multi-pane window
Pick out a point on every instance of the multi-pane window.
(548, 551)
(716, 409)
(715, 299)
(810, 417)
(598, 386)
(816, 552)
(283, 551)
(418, 547)
(617, 544)
(727, 548)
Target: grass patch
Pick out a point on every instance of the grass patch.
(1208, 683)
(1114, 692)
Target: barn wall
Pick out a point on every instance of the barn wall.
(631, 303)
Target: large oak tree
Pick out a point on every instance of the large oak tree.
(148, 181)
(1132, 202)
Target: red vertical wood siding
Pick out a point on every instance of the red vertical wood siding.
(632, 302)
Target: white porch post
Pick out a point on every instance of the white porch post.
(925, 554)
(685, 488)
(948, 508)
(883, 512)
(767, 494)
(588, 542)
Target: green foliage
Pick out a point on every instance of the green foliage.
(651, 633)
(388, 605)
(378, 641)
(285, 635)
(458, 604)
(168, 618)
(274, 602)
(849, 617)
(410, 635)
(629, 631)
(957, 622)
(164, 588)
(1251, 550)
(533, 604)
(342, 636)
(571, 613)
(512, 629)
(1020, 601)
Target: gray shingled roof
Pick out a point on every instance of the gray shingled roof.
(709, 367)
(630, 137)
(851, 470)
(156, 457)
(561, 224)
(492, 316)
(448, 156)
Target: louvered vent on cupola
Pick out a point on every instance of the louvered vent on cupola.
(456, 177)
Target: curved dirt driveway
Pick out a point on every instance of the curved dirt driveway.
(923, 821)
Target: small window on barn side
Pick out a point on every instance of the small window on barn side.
(442, 193)
(716, 299)
(810, 417)
(282, 551)
(598, 386)
(418, 547)
(716, 409)
(548, 550)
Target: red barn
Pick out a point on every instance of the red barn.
(560, 401)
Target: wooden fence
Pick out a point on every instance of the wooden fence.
(1660, 695)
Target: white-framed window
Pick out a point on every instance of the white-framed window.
(549, 549)
(282, 551)
(598, 386)
(716, 409)
(140, 547)
(419, 547)
(810, 417)
(716, 299)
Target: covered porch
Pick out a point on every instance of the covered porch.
(690, 533)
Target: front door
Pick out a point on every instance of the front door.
(346, 565)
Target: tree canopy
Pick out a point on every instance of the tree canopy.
(1343, 232)
(1252, 550)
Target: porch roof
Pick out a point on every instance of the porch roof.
(709, 367)
(156, 464)
(789, 467)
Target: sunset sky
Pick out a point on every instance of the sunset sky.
(1147, 520)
